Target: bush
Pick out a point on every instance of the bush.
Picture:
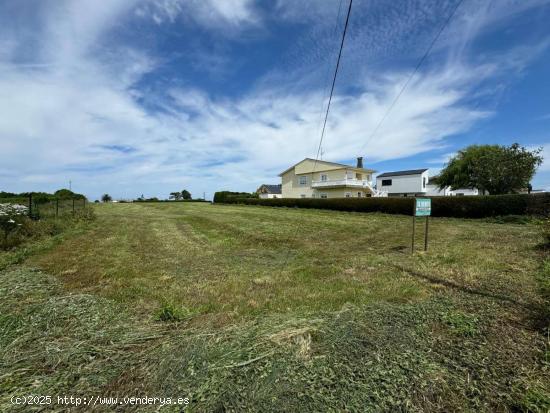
(459, 207)
(84, 214)
(12, 217)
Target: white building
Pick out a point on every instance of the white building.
(417, 182)
(412, 182)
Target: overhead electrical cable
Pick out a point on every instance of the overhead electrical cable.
(420, 62)
(327, 73)
(333, 83)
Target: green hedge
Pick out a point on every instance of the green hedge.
(456, 206)
(228, 196)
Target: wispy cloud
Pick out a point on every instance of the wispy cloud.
(217, 14)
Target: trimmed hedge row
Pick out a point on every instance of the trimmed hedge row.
(456, 206)
(228, 196)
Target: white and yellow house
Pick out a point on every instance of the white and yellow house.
(322, 179)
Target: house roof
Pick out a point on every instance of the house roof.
(400, 173)
(270, 189)
(334, 164)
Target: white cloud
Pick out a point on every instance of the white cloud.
(74, 112)
(220, 14)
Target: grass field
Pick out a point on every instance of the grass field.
(259, 309)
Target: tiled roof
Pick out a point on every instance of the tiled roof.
(271, 189)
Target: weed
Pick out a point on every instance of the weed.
(169, 313)
(461, 323)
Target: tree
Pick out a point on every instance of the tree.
(67, 194)
(175, 195)
(185, 194)
(497, 169)
(106, 198)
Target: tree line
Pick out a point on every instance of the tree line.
(176, 196)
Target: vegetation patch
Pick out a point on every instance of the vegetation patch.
(169, 312)
(461, 324)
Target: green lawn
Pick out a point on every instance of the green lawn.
(279, 310)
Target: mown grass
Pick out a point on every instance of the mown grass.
(258, 309)
(231, 261)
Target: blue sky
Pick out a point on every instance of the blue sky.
(134, 97)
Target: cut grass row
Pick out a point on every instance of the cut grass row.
(430, 356)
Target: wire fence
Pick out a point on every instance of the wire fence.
(48, 208)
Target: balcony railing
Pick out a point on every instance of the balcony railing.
(352, 183)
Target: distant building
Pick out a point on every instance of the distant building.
(269, 191)
(434, 190)
(321, 179)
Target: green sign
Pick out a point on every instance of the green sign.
(423, 207)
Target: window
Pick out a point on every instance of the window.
(324, 178)
(424, 182)
(303, 180)
(324, 196)
(348, 194)
(386, 182)
(302, 195)
(359, 194)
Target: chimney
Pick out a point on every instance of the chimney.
(359, 161)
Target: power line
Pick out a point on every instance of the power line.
(333, 83)
(327, 73)
(420, 62)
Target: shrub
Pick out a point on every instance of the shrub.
(459, 207)
(84, 214)
(12, 217)
(546, 231)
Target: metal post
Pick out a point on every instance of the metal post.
(412, 241)
(57, 207)
(426, 234)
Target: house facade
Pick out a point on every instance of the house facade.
(269, 191)
(411, 182)
(322, 179)
(417, 182)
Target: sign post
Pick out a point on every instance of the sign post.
(422, 208)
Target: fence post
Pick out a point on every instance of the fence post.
(57, 207)
(30, 204)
